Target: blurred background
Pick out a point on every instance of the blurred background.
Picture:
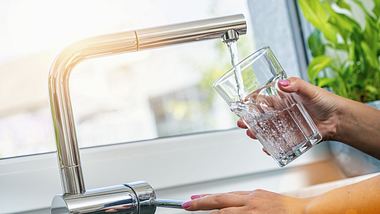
(130, 97)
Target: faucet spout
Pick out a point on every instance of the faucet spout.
(136, 40)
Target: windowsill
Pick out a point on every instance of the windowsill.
(290, 179)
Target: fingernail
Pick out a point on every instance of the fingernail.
(284, 82)
(195, 197)
(186, 205)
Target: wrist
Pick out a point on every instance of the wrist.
(341, 114)
(308, 206)
(345, 120)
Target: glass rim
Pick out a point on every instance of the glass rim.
(251, 58)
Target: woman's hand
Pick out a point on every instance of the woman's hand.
(257, 202)
(323, 106)
(361, 198)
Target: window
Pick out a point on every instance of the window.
(131, 97)
(134, 96)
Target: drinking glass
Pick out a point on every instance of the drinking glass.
(279, 121)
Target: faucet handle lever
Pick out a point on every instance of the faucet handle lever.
(167, 203)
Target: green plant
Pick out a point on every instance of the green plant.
(345, 52)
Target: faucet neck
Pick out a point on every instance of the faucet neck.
(60, 102)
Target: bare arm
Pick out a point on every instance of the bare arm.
(359, 126)
(359, 198)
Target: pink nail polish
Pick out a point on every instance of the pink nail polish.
(284, 82)
(195, 197)
(198, 196)
(186, 205)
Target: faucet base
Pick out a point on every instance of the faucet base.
(133, 198)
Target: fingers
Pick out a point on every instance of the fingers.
(218, 201)
(198, 196)
(193, 197)
(231, 210)
(250, 134)
(264, 150)
(234, 192)
(241, 192)
(299, 86)
(241, 124)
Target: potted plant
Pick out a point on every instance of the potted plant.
(346, 61)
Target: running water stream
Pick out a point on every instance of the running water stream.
(232, 46)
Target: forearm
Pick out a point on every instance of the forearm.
(360, 198)
(359, 126)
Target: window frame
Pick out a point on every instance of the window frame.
(300, 29)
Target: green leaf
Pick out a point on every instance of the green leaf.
(326, 82)
(376, 8)
(370, 55)
(343, 4)
(371, 89)
(343, 23)
(313, 11)
(317, 16)
(315, 43)
(342, 47)
(351, 52)
(341, 89)
(318, 64)
(371, 32)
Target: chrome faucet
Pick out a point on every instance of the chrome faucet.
(138, 197)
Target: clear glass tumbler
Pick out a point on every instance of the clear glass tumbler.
(280, 122)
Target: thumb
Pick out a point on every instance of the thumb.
(298, 86)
